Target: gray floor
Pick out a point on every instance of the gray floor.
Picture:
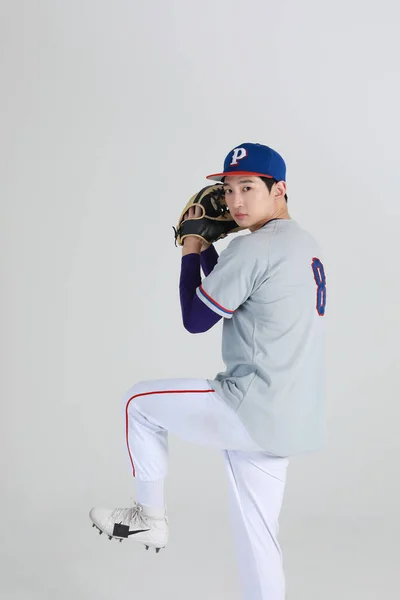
(48, 558)
(348, 558)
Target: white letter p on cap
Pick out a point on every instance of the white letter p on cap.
(238, 154)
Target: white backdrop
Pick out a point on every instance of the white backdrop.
(112, 114)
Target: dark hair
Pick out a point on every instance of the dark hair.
(269, 183)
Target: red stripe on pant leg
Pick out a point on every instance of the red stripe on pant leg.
(148, 394)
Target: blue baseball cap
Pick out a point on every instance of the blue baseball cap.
(252, 159)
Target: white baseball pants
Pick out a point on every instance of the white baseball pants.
(192, 410)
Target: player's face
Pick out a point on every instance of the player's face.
(251, 204)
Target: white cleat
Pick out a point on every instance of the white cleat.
(131, 523)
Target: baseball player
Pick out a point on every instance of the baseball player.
(269, 287)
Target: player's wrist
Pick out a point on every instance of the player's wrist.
(191, 244)
(205, 246)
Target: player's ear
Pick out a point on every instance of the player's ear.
(279, 189)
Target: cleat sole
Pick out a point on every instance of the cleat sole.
(110, 537)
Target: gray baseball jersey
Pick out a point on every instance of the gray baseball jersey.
(269, 285)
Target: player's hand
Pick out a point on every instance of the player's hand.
(192, 213)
